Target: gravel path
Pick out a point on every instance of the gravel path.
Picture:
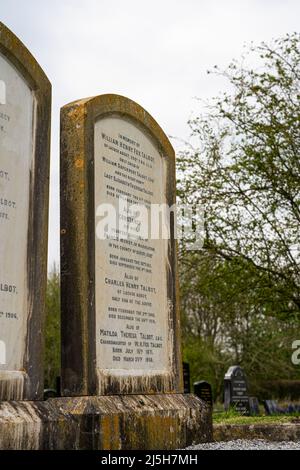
(241, 444)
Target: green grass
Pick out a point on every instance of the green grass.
(232, 417)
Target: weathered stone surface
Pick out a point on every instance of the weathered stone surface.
(101, 137)
(110, 146)
(270, 432)
(106, 422)
(25, 102)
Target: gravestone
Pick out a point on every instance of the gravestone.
(186, 377)
(25, 101)
(203, 390)
(120, 316)
(271, 407)
(119, 299)
(291, 408)
(236, 390)
(254, 406)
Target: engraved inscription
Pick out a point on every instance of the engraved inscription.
(131, 273)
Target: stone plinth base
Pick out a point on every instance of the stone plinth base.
(106, 423)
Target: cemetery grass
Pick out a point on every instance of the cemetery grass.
(232, 417)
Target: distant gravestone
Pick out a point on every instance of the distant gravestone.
(203, 390)
(271, 407)
(49, 393)
(292, 408)
(25, 101)
(186, 377)
(236, 390)
(254, 406)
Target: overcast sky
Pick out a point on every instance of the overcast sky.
(155, 52)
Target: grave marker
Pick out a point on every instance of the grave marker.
(236, 390)
(25, 101)
(254, 406)
(120, 316)
(186, 377)
(203, 390)
(121, 354)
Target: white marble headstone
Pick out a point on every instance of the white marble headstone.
(16, 156)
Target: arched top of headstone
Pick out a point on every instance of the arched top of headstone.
(97, 107)
(234, 371)
(14, 50)
(236, 390)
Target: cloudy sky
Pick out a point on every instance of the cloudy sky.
(155, 52)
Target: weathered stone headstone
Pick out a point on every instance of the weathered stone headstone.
(120, 318)
(203, 390)
(25, 102)
(186, 377)
(119, 297)
(236, 390)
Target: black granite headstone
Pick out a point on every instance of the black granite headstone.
(186, 377)
(203, 390)
(50, 393)
(236, 390)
